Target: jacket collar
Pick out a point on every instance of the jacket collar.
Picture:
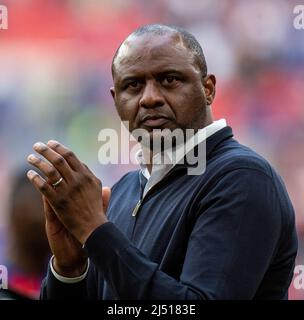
(211, 144)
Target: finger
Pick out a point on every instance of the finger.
(88, 170)
(55, 159)
(50, 215)
(67, 154)
(40, 184)
(46, 168)
(106, 194)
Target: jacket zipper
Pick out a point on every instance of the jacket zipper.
(139, 203)
(135, 210)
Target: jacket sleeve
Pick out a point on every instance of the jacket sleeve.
(53, 289)
(232, 243)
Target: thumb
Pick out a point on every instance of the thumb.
(106, 194)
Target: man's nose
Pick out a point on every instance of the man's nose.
(151, 96)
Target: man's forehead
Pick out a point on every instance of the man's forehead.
(135, 48)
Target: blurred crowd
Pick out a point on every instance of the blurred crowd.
(55, 77)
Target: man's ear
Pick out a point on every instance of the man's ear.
(209, 83)
(112, 90)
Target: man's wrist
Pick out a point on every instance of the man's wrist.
(69, 275)
(83, 239)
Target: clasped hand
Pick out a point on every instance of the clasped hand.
(77, 200)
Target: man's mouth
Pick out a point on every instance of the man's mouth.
(154, 121)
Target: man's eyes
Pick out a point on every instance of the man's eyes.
(132, 84)
(169, 80)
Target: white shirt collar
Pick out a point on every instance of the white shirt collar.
(181, 150)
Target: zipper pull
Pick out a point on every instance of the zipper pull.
(135, 210)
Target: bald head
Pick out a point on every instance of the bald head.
(180, 35)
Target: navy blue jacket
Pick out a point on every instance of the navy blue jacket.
(226, 234)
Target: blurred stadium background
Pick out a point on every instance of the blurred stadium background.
(55, 77)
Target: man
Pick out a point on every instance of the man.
(226, 233)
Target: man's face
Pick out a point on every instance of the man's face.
(159, 85)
